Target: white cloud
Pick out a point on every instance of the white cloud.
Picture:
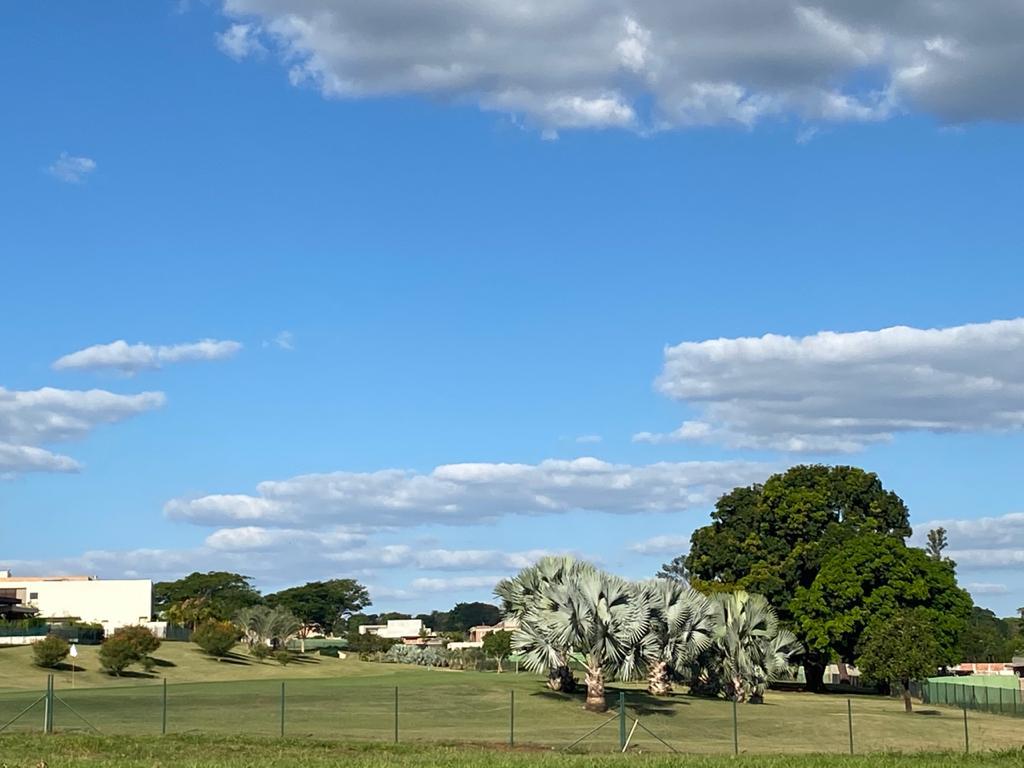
(985, 543)
(284, 340)
(840, 392)
(471, 493)
(240, 41)
(981, 588)
(662, 545)
(33, 418)
(588, 439)
(454, 584)
(71, 169)
(16, 459)
(608, 63)
(131, 358)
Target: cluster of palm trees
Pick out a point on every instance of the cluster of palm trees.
(266, 630)
(570, 611)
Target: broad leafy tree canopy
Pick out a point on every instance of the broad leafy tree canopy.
(873, 578)
(771, 539)
(323, 603)
(222, 592)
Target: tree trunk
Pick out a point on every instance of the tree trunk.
(814, 672)
(908, 704)
(595, 691)
(659, 682)
(499, 664)
(561, 679)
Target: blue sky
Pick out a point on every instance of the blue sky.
(493, 273)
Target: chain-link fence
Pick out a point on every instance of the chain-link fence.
(521, 713)
(1000, 700)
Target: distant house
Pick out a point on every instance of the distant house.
(983, 668)
(1018, 666)
(478, 633)
(111, 603)
(397, 629)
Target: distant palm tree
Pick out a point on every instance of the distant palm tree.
(270, 627)
(749, 648)
(683, 624)
(600, 619)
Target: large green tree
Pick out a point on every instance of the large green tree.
(874, 577)
(771, 539)
(900, 649)
(323, 604)
(222, 593)
(988, 638)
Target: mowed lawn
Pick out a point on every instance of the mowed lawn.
(219, 752)
(352, 701)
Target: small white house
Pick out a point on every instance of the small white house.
(112, 603)
(396, 629)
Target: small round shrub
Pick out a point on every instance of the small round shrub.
(117, 653)
(216, 638)
(284, 658)
(50, 651)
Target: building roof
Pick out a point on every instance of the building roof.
(46, 578)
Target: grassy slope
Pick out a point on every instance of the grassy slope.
(206, 752)
(351, 700)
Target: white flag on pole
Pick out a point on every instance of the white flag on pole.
(74, 651)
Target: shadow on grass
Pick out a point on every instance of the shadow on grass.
(230, 658)
(928, 712)
(163, 663)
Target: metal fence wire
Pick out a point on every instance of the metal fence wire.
(520, 715)
(980, 698)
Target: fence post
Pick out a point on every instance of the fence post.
(735, 728)
(967, 736)
(282, 709)
(396, 714)
(163, 712)
(622, 721)
(849, 720)
(48, 706)
(511, 718)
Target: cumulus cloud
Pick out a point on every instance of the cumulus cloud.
(982, 588)
(16, 459)
(662, 545)
(984, 543)
(132, 358)
(33, 418)
(240, 41)
(71, 169)
(457, 583)
(471, 493)
(840, 392)
(650, 64)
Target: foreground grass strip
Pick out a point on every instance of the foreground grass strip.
(30, 751)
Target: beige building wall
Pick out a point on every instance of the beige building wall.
(113, 603)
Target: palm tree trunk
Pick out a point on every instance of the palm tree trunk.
(561, 679)
(595, 691)
(659, 682)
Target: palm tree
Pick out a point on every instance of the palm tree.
(269, 627)
(529, 591)
(599, 619)
(682, 625)
(749, 648)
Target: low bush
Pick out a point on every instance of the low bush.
(50, 651)
(423, 655)
(216, 638)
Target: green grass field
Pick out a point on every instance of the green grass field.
(212, 752)
(352, 701)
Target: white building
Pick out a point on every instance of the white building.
(112, 603)
(396, 629)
